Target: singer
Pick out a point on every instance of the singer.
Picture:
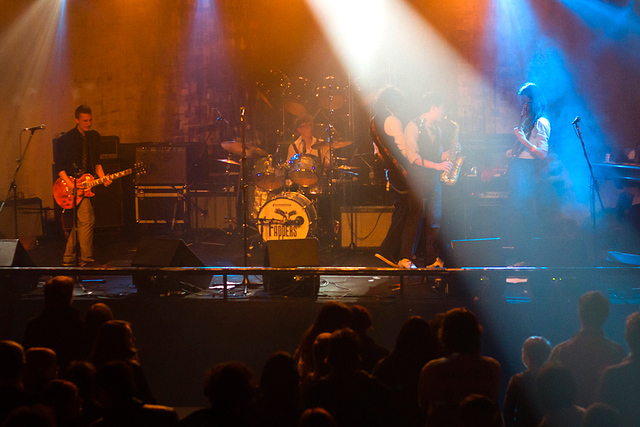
(526, 172)
(77, 154)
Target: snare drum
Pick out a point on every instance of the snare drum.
(304, 169)
(268, 175)
(287, 216)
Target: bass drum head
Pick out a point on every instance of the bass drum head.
(288, 216)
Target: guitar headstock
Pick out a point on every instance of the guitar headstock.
(140, 168)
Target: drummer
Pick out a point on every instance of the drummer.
(303, 145)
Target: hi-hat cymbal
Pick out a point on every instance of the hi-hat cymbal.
(321, 145)
(235, 147)
(228, 161)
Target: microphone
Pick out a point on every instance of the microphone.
(242, 111)
(576, 120)
(33, 128)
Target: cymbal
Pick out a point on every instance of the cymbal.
(235, 147)
(212, 174)
(347, 168)
(320, 145)
(295, 108)
(228, 161)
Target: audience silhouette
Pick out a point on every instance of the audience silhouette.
(332, 316)
(63, 398)
(279, 401)
(370, 351)
(349, 394)
(558, 391)
(522, 406)
(620, 386)
(40, 369)
(447, 381)
(115, 341)
(589, 352)
(59, 325)
(400, 370)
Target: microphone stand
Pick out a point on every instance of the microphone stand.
(13, 187)
(595, 190)
(245, 201)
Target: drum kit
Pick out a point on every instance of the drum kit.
(283, 196)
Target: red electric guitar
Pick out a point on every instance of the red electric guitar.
(63, 194)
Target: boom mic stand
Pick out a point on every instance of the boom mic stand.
(245, 200)
(13, 187)
(595, 188)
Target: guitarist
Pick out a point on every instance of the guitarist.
(389, 145)
(526, 171)
(77, 154)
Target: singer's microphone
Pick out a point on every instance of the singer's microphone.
(576, 120)
(33, 128)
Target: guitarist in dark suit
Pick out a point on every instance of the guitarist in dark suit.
(77, 154)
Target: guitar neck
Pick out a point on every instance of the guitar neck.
(109, 177)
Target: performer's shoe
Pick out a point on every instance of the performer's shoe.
(406, 264)
(438, 263)
(386, 260)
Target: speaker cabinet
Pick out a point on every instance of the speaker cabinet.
(165, 165)
(29, 218)
(13, 254)
(287, 254)
(107, 203)
(369, 224)
(160, 252)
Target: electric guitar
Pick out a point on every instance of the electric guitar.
(63, 194)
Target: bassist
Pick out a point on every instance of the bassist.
(77, 154)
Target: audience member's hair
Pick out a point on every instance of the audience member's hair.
(601, 415)
(40, 368)
(536, 350)
(556, 387)
(360, 319)
(477, 410)
(632, 333)
(115, 378)
(82, 109)
(320, 351)
(344, 350)
(332, 316)
(30, 416)
(280, 377)
(115, 341)
(415, 337)
(97, 315)
(230, 386)
(62, 396)
(460, 331)
(593, 309)
(11, 360)
(58, 291)
(316, 417)
(83, 375)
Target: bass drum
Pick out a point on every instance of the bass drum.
(287, 216)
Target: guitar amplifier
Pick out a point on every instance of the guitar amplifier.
(160, 204)
(165, 165)
(369, 224)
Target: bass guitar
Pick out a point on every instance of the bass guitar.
(63, 194)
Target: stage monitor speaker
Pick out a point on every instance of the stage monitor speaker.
(161, 252)
(477, 253)
(13, 254)
(287, 254)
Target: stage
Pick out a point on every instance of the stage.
(183, 332)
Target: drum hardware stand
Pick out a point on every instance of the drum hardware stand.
(245, 201)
